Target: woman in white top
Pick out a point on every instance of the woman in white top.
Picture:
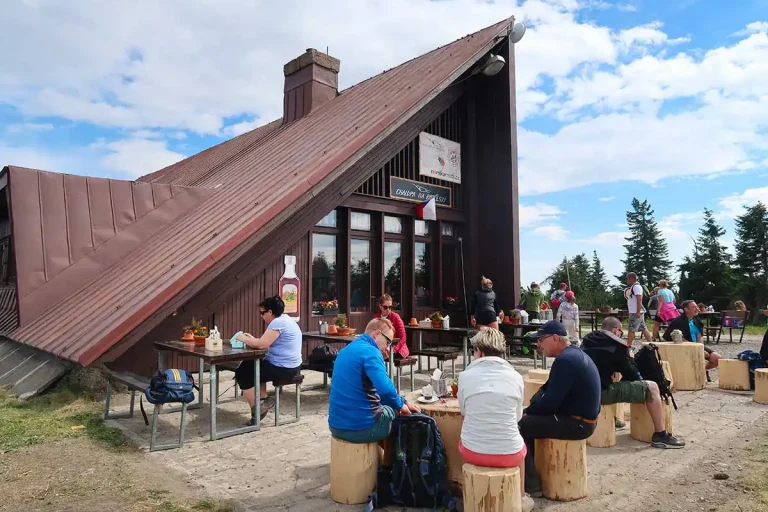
(491, 401)
(568, 314)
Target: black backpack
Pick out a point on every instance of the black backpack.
(322, 358)
(648, 362)
(419, 475)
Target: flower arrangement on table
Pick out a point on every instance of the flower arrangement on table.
(514, 318)
(437, 319)
(341, 326)
(326, 307)
(449, 302)
(195, 331)
(677, 336)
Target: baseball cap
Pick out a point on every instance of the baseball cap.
(548, 329)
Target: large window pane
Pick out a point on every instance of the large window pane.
(323, 272)
(329, 221)
(423, 274)
(393, 277)
(423, 228)
(447, 230)
(361, 221)
(393, 225)
(360, 275)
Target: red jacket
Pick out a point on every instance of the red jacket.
(397, 322)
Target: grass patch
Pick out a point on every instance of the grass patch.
(757, 481)
(51, 417)
(201, 506)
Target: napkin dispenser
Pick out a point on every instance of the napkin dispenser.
(234, 342)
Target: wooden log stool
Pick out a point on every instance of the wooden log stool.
(734, 375)
(761, 386)
(491, 489)
(530, 389)
(620, 408)
(562, 467)
(604, 435)
(538, 374)
(641, 425)
(686, 362)
(353, 471)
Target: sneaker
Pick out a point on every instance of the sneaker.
(266, 406)
(709, 378)
(528, 503)
(620, 424)
(533, 491)
(666, 440)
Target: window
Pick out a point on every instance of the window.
(361, 221)
(423, 274)
(393, 225)
(393, 267)
(329, 221)
(447, 230)
(423, 228)
(323, 272)
(360, 275)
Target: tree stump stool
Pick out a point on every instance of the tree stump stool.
(734, 375)
(604, 435)
(538, 374)
(491, 489)
(562, 466)
(530, 389)
(761, 386)
(353, 471)
(641, 425)
(620, 408)
(686, 361)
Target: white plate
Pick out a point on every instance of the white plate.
(425, 401)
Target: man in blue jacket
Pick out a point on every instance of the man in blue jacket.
(567, 406)
(363, 399)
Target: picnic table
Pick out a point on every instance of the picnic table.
(521, 339)
(462, 332)
(216, 357)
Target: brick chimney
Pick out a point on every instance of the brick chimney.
(311, 80)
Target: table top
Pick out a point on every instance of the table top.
(455, 330)
(333, 338)
(225, 355)
(445, 405)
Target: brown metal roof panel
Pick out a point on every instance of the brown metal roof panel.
(78, 216)
(100, 201)
(122, 203)
(143, 202)
(27, 229)
(54, 219)
(161, 193)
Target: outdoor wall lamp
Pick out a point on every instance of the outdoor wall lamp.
(492, 65)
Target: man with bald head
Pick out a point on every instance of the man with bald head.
(610, 353)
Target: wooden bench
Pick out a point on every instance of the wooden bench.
(739, 317)
(442, 354)
(140, 383)
(399, 364)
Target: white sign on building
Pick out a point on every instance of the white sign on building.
(439, 158)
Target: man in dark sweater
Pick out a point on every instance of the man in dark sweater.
(567, 406)
(610, 353)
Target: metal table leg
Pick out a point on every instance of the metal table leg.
(255, 411)
(465, 340)
(212, 378)
(201, 370)
(419, 345)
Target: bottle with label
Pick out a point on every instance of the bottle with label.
(290, 289)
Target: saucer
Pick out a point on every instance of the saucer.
(425, 401)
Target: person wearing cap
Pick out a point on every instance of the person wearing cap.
(610, 353)
(532, 301)
(567, 405)
(568, 314)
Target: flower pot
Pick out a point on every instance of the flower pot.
(199, 340)
(330, 312)
(436, 325)
(413, 322)
(454, 390)
(332, 329)
(514, 321)
(507, 320)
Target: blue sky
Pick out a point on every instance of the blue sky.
(660, 100)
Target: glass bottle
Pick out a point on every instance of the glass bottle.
(290, 289)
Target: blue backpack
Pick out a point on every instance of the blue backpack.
(419, 476)
(170, 386)
(753, 360)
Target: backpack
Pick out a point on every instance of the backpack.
(646, 295)
(753, 360)
(419, 475)
(322, 358)
(648, 362)
(169, 386)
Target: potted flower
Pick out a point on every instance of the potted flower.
(514, 317)
(677, 336)
(341, 326)
(450, 302)
(198, 330)
(326, 307)
(437, 320)
(455, 387)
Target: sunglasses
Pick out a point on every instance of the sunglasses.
(389, 340)
(262, 313)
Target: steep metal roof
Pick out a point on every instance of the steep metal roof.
(254, 180)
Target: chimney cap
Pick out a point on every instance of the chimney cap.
(312, 56)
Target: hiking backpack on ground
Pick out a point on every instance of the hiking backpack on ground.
(648, 362)
(753, 361)
(419, 475)
(169, 386)
(322, 358)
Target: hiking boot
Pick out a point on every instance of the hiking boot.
(666, 440)
(266, 406)
(528, 503)
(709, 378)
(620, 424)
(533, 490)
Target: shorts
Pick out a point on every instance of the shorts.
(636, 324)
(492, 461)
(628, 392)
(376, 432)
(486, 318)
(267, 373)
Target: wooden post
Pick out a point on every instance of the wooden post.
(491, 489)
(641, 425)
(530, 389)
(562, 466)
(353, 471)
(761, 386)
(604, 435)
(686, 361)
(734, 375)
(537, 374)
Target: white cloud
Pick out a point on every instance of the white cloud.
(610, 238)
(733, 205)
(245, 126)
(551, 231)
(535, 214)
(137, 157)
(28, 127)
(606, 199)
(755, 27)
(649, 34)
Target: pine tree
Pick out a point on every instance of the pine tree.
(646, 250)
(707, 277)
(598, 281)
(752, 254)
